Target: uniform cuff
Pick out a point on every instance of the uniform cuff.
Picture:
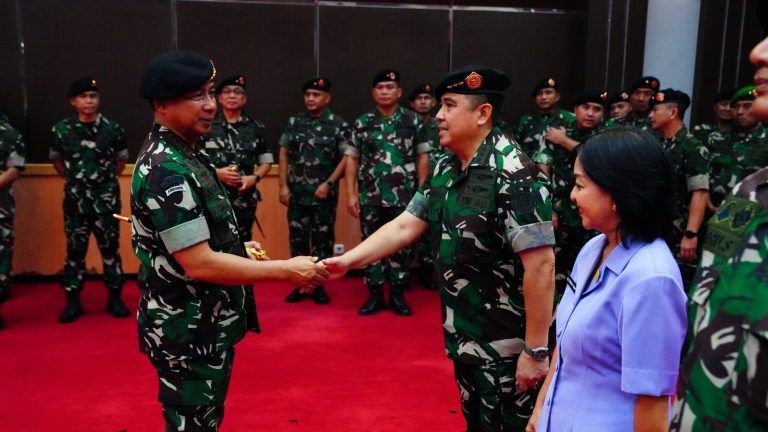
(15, 161)
(531, 236)
(424, 147)
(698, 182)
(53, 155)
(266, 158)
(122, 154)
(352, 151)
(185, 235)
(418, 206)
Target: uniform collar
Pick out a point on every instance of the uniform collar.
(174, 140)
(616, 262)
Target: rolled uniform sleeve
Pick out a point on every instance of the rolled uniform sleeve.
(263, 153)
(56, 150)
(344, 137)
(652, 326)
(121, 149)
(17, 157)
(420, 202)
(525, 210)
(697, 166)
(353, 149)
(423, 143)
(285, 137)
(174, 208)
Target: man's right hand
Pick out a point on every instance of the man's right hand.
(284, 195)
(228, 177)
(353, 207)
(336, 267)
(305, 272)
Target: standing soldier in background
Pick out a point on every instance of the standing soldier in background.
(618, 109)
(640, 95)
(388, 163)
(555, 157)
(422, 102)
(531, 127)
(235, 144)
(721, 105)
(13, 157)
(691, 161)
(311, 163)
(738, 150)
(89, 152)
(723, 381)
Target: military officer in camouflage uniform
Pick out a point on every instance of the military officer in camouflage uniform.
(738, 150)
(422, 102)
(531, 127)
(386, 164)
(487, 209)
(555, 157)
(311, 163)
(691, 161)
(723, 384)
(640, 95)
(89, 151)
(13, 157)
(235, 144)
(721, 105)
(619, 106)
(193, 307)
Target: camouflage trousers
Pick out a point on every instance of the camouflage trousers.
(106, 229)
(490, 400)
(193, 391)
(245, 219)
(568, 244)
(396, 268)
(6, 256)
(311, 229)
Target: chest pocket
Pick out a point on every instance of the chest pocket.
(478, 239)
(218, 210)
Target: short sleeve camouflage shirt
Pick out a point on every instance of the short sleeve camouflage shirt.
(242, 144)
(734, 156)
(315, 147)
(531, 127)
(480, 219)
(387, 148)
(177, 201)
(691, 161)
(13, 153)
(90, 151)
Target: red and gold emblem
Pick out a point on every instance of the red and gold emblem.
(428, 88)
(474, 80)
(604, 95)
(241, 80)
(391, 76)
(659, 97)
(551, 82)
(624, 96)
(321, 82)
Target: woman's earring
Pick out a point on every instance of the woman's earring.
(614, 207)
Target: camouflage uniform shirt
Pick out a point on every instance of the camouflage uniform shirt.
(734, 156)
(12, 154)
(704, 130)
(315, 147)
(240, 143)
(89, 151)
(387, 148)
(531, 127)
(177, 201)
(691, 161)
(723, 383)
(480, 219)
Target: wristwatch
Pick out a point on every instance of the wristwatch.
(330, 183)
(690, 234)
(538, 354)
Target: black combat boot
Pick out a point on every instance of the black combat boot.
(73, 310)
(115, 305)
(397, 301)
(295, 296)
(319, 296)
(375, 301)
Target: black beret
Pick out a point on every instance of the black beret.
(474, 79)
(425, 88)
(82, 85)
(597, 96)
(545, 83)
(648, 82)
(386, 75)
(671, 95)
(171, 74)
(319, 83)
(235, 80)
(746, 93)
(621, 96)
(723, 96)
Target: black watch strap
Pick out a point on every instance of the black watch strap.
(538, 354)
(690, 234)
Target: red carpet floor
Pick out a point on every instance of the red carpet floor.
(314, 368)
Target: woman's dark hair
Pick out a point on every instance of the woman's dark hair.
(633, 168)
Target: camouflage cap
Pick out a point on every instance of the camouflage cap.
(746, 93)
(386, 75)
(597, 96)
(235, 80)
(620, 96)
(671, 95)
(171, 74)
(319, 83)
(648, 82)
(474, 79)
(545, 83)
(425, 88)
(82, 85)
